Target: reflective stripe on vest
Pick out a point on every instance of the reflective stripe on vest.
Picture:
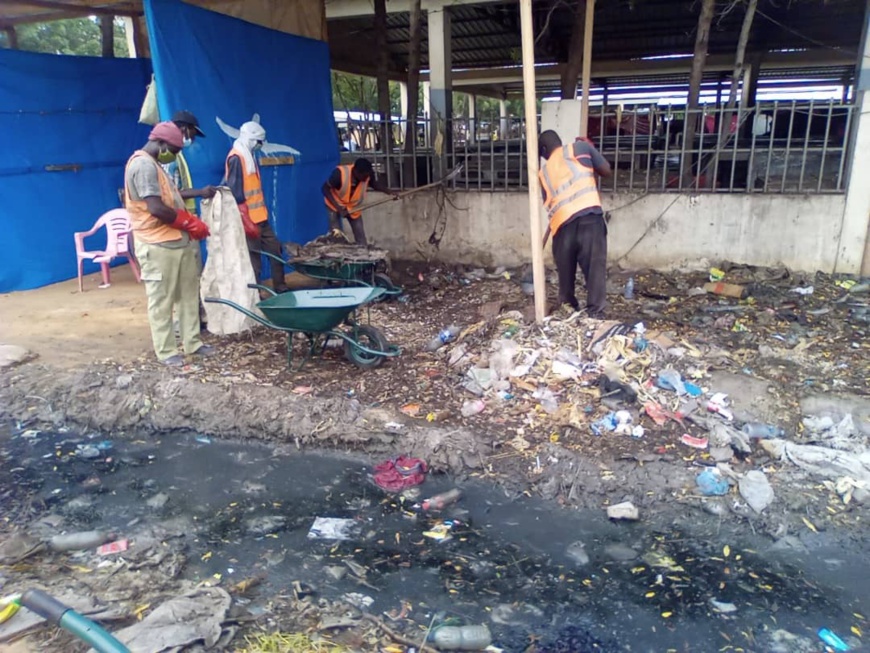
(252, 187)
(147, 228)
(186, 181)
(569, 186)
(347, 200)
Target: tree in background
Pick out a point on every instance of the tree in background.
(77, 36)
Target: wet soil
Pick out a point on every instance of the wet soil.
(565, 580)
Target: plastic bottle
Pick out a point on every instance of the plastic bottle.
(629, 288)
(441, 501)
(447, 335)
(761, 431)
(462, 638)
(79, 541)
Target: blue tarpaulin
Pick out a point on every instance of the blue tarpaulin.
(221, 67)
(69, 125)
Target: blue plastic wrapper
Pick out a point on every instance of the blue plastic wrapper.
(711, 484)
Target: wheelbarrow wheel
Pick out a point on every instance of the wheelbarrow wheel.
(370, 337)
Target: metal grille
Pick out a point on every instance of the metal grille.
(776, 147)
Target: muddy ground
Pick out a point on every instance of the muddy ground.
(779, 357)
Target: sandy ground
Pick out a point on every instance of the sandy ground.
(67, 328)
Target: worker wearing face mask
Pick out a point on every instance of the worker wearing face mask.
(242, 176)
(166, 245)
(178, 170)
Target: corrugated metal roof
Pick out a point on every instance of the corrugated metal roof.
(489, 35)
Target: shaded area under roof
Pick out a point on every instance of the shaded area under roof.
(485, 36)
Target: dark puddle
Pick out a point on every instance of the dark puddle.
(250, 511)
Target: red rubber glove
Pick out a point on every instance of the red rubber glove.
(252, 231)
(188, 222)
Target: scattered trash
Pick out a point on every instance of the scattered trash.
(473, 407)
(762, 431)
(803, 290)
(692, 441)
(442, 531)
(756, 490)
(79, 541)
(461, 638)
(577, 553)
(441, 501)
(670, 379)
(726, 289)
(722, 607)
(332, 528)
(625, 511)
(203, 439)
(712, 483)
(193, 617)
(113, 547)
(831, 639)
(606, 423)
(358, 600)
(400, 473)
(629, 288)
(716, 274)
(447, 335)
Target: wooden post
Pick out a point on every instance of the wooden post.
(531, 105)
(107, 33)
(11, 37)
(587, 67)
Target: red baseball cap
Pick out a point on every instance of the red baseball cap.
(169, 133)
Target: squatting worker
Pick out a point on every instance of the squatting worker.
(570, 189)
(166, 247)
(344, 193)
(242, 176)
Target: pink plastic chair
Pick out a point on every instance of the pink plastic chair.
(117, 224)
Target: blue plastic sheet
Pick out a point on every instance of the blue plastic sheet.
(217, 66)
(74, 114)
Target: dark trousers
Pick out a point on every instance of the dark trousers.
(582, 241)
(267, 242)
(357, 226)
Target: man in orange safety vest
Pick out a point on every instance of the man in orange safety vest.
(344, 193)
(570, 190)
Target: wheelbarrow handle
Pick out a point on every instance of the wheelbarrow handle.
(242, 309)
(271, 256)
(50, 608)
(259, 286)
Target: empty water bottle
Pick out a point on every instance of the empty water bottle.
(629, 288)
(462, 638)
(447, 335)
(762, 431)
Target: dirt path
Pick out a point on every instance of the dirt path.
(68, 329)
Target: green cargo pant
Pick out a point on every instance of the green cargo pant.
(171, 278)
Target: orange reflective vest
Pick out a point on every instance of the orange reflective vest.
(147, 228)
(253, 187)
(569, 186)
(348, 200)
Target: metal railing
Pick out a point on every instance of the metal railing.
(776, 147)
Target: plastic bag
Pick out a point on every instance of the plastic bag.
(149, 114)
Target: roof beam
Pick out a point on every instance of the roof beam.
(355, 8)
(620, 68)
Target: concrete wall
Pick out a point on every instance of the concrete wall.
(492, 228)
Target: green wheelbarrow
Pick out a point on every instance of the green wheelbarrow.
(317, 314)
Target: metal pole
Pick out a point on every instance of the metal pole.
(587, 67)
(532, 156)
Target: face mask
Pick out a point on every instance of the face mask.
(166, 156)
(257, 146)
(187, 142)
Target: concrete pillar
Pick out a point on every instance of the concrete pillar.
(472, 117)
(440, 84)
(856, 217)
(503, 122)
